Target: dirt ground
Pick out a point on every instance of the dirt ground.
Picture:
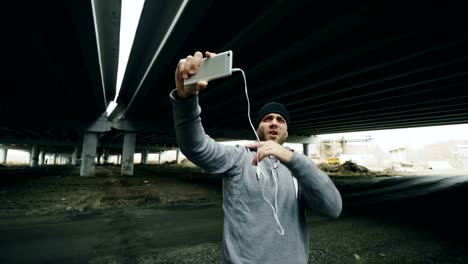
(173, 214)
(56, 190)
(65, 191)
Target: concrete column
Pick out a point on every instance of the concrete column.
(159, 157)
(177, 156)
(98, 158)
(42, 157)
(54, 159)
(34, 156)
(305, 149)
(3, 156)
(118, 158)
(128, 152)
(75, 156)
(106, 156)
(144, 156)
(88, 154)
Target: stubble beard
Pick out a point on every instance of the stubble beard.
(264, 137)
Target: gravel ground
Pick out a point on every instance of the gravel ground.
(352, 239)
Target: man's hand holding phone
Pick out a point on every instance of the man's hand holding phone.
(194, 72)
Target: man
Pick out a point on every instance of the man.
(264, 217)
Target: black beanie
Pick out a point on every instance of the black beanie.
(269, 108)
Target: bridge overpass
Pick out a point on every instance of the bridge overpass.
(337, 66)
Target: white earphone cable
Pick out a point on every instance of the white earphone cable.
(274, 208)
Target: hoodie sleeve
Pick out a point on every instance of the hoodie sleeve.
(198, 147)
(317, 188)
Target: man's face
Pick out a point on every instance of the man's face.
(273, 127)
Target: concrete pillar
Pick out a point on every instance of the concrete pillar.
(159, 157)
(54, 158)
(305, 149)
(177, 156)
(144, 156)
(128, 152)
(98, 158)
(106, 156)
(34, 156)
(88, 154)
(75, 156)
(118, 158)
(3, 156)
(42, 157)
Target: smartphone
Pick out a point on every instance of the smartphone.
(218, 66)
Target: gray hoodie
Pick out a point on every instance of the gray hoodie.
(251, 232)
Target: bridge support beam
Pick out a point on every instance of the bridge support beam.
(75, 156)
(177, 156)
(144, 156)
(3, 155)
(305, 149)
(34, 156)
(128, 151)
(42, 157)
(90, 140)
(106, 155)
(98, 158)
(88, 155)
